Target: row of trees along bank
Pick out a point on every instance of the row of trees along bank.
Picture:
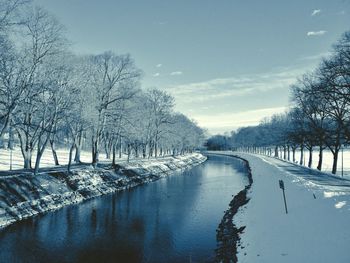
(49, 95)
(318, 118)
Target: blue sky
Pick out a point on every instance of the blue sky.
(227, 62)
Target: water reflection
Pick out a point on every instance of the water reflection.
(173, 219)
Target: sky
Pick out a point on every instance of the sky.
(228, 63)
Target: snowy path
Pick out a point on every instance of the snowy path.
(312, 178)
(314, 230)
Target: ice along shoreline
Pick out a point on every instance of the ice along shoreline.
(26, 195)
(228, 233)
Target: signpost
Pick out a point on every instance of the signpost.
(284, 195)
(342, 161)
(10, 144)
(11, 159)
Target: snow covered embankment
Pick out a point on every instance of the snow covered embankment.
(316, 226)
(228, 234)
(26, 195)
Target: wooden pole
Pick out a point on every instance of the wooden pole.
(11, 158)
(285, 202)
(342, 161)
(281, 183)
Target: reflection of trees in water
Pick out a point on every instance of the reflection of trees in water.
(234, 163)
(134, 225)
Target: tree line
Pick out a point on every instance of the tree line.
(49, 95)
(318, 117)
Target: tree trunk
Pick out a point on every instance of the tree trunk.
(301, 155)
(5, 125)
(78, 149)
(276, 151)
(70, 157)
(95, 152)
(136, 151)
(150, 152)
(92, 149)
(108, 148)
(293, 153)
(335, 160)
(120, 147)
(40, 152)
(129, 152)
(320, 158)
(144, 151)
(77, 154)
(155, 148)
(11, 138)
(310, 157)
(114, 154)
(288, 153)
(54, 153)
(28, 160)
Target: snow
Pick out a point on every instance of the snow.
(24, 195)
(46, 160)
(316, 226)
(340, 204)
(328, 160)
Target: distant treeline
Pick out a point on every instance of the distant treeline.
(318, 118)
(49, 95)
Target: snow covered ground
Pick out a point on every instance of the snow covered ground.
(343, 159)
(316, 228)
(46, 161)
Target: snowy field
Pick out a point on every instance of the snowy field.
(46, 161)
(328, 161)
(343, 161)
(316, 228)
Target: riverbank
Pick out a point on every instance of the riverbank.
(316, 226)
(24, 195)
(228, 233)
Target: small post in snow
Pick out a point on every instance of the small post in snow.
(342, 161)
(11, 159)
(284, 195)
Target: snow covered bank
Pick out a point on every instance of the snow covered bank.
(228, 234)
(316, 226)
(46, 160)
(25, 195)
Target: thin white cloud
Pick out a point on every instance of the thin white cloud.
(231, 121)
(159, 65)
(316, 12)
(176, 73)
(156, 74)
(235, 86)
(256, 92)
(317, 56)
(316, 33)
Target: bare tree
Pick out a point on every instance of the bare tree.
(161, 106)
(44, 41)
(307, 96)
(113, 79)
(11, 90)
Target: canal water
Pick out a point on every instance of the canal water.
(171, 220)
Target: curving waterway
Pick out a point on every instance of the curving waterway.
(171, 220)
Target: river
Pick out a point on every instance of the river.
(171, 220)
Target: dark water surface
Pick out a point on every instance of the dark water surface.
(171, 220)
